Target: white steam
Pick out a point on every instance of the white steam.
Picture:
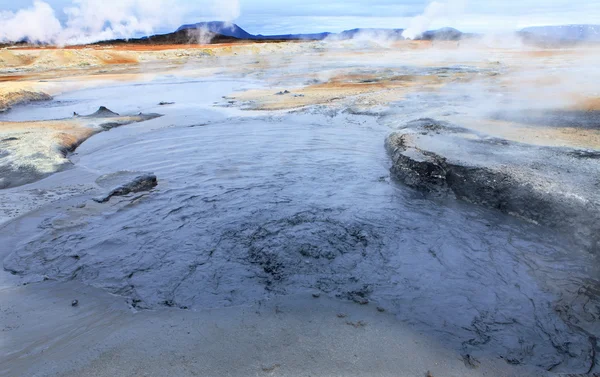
(37, 23)
(435, 10)
(94, 20)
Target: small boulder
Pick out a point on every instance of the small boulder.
(140, 183)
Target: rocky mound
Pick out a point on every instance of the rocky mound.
(556, 187)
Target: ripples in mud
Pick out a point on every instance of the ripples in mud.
(252, 208)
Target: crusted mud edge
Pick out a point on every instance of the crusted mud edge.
(438, 176)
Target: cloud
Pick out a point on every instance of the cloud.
(89, 21)
(37, 23)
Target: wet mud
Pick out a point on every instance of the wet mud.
(306, 206)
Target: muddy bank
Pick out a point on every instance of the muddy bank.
(557, 187)
(289, 336)
(579, 119)
(33, 150)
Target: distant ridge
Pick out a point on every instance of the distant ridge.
(354, 33)
(233, 30)
(221, 28)
(561, 34)
(223, 32)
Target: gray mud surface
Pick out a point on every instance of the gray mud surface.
(261, 206)
(256, 208)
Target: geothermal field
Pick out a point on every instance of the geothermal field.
(365, 206)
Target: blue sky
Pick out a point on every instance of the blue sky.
(277, 16)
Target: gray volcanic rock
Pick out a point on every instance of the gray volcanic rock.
(102, 112)
(557, 187)
(144, 182)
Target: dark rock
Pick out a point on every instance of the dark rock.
(165, 103)
(540, 184)
(470, 361)
(357, 324)
(140, 183)
(74, 303)
(102, 112)
(360, 296)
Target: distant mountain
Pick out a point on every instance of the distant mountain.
(233, 30)
(444, 34)
(176, 38)
(293, 37)
(221, 28)
(370, 32)
(222, 32)
(564, 34)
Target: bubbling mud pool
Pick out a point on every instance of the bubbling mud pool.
(254, 206)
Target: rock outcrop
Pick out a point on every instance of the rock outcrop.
(556, 187)
(143, 182)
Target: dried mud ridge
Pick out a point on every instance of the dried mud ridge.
(21, 97)
(30, 151)
(556, 187)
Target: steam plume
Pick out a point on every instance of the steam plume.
(421, 23)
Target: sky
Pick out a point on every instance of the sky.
(294, 16)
